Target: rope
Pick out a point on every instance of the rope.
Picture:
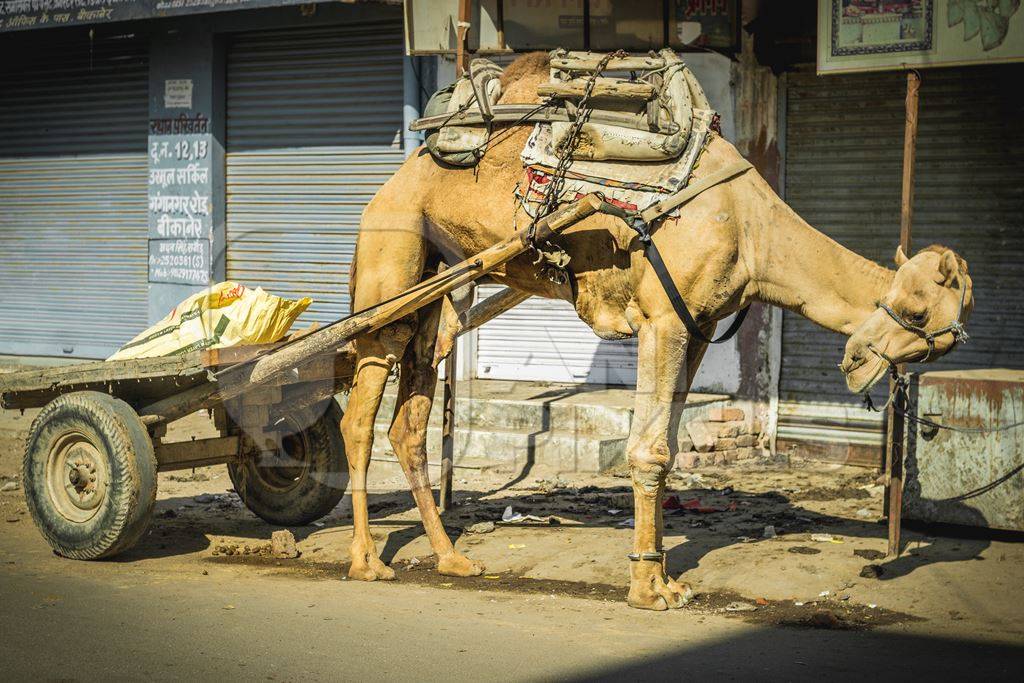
(901, 387)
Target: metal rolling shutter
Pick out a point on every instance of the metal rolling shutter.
(544, 339)
(313, 116)
(73, 172)
(843, 168)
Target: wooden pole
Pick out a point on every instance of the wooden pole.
(897, 424)
(448, 431)
(462, 38)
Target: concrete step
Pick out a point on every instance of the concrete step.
(513, 449)
(507, 425)
(495, 412)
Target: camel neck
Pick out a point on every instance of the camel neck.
(800, 269)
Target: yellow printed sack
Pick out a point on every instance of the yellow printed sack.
(225, 314)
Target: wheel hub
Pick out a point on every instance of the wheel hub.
(76, 477)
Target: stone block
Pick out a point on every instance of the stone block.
(688, 461)
(725, 444)
(726, 457)
(685, 443)
(701, 435)
(746, 440)
(725, 414)
(747, 453)
(282, 545)
(730, 430)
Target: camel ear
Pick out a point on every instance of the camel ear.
(901, 258)
(948, 268)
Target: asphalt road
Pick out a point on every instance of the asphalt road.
(138, 621)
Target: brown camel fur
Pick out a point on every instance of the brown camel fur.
(735, 243)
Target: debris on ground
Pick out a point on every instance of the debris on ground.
(480, 528)
(826, 618)
(692, 505)
(204, 498)
(872, 571)
(769, 532)
(230, 549)
(509, 516)
(630, 523)
(192, 476)
(282, 545)
(869, 554)
(825, 538)
(803, 550)
(738, 606)
(9, 486)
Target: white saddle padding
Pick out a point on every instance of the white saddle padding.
(679, 96)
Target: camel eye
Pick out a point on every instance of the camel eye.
(918, 319)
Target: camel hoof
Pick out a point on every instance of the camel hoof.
(458, 565)
(659, 594)
(371, 570)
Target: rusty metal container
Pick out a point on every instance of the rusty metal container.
(969, 478)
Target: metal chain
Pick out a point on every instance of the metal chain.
(556, 181)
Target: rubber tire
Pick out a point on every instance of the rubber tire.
(116, 431)
(318, 490)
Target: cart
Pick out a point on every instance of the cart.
(94, 451)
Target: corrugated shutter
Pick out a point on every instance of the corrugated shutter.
(313, 130)
(844, 145)
(73, 202)
(544, 339)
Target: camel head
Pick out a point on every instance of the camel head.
(920, 317)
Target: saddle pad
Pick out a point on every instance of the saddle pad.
(629, 184)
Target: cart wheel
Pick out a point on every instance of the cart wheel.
(304, 479)
(89, 475)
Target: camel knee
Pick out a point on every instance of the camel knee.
(397, 334)
(649, 464)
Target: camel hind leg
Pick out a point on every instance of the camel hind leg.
(390, 254)
(408, 435)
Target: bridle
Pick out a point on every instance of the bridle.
(955, 327)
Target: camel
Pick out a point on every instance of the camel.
(736, 243)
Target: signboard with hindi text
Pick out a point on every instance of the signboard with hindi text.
(180, 199)
(878, 35)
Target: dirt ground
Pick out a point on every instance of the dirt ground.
(783, 547)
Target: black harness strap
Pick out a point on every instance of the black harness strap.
(641, 223)
(661, 270)
(654, 256)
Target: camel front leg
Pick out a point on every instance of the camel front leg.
(660, 395)
(408, 435)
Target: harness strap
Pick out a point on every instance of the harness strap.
(654, 256)
(641, 223)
